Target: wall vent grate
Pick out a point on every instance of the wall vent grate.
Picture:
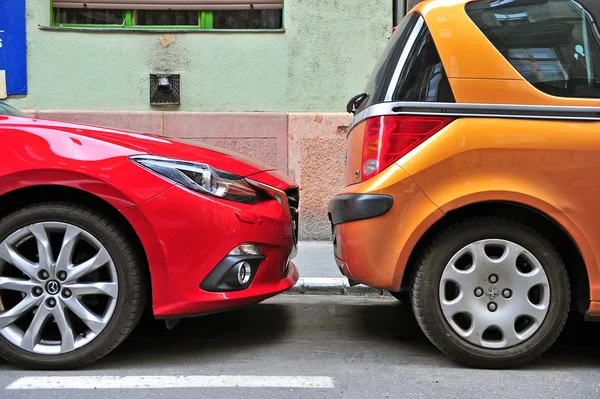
(165, 89)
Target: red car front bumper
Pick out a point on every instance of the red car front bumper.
(186, 234)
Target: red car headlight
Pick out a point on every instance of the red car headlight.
(201, 178)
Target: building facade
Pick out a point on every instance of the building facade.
(267, 78)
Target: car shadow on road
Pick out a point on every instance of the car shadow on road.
(391, 320)
(233, 335)
(200, 339)
(356, 325)
(241, 332)
(578, 346)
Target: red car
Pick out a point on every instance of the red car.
(97, 223)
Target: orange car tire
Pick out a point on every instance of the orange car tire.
(431, 310)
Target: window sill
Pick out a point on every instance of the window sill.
(154, 30)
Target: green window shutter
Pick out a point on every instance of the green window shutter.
(206, 20)
(128, 18)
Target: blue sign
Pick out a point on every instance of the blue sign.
(13, 50)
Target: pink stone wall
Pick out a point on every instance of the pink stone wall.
(263, 149)
(141, 122)
(309, 147)
(316, 162)
(257, 134)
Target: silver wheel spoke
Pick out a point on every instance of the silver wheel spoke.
(93, 321)
(475, 334)
(455, 274)
(479, 256)
(97, 261)
(80, 289)
(507, 326)
(15, 284)
(32, 335)
(70, 240)
(530, 280)
(536, 312)
(46, 260)
(67, 342)
(513, 251)
(462, 304)
(460, 277)
(10, 255)
(10, 316)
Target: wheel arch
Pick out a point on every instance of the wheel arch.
(18, 198)
(545, 224)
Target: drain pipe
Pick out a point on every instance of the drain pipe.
(399, 11)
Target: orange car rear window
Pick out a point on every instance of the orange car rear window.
(554, 44)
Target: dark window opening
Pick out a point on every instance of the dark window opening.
(77, 16)
(424, 78)
(247, 19)
(167, 15)
(166, 18)
(381, 76)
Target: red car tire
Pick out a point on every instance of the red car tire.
(56, 298)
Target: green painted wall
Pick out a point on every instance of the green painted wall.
(323, 58)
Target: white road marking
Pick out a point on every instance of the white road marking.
(157, 382)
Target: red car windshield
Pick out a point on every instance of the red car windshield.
(6, 109)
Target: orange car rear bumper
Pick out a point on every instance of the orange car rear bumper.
(377, 224)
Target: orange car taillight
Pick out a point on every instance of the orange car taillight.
(389, 138)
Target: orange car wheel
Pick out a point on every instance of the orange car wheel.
(491, 292)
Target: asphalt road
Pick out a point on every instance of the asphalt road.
(305, 346)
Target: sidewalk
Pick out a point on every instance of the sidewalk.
(315, 259)
(320, 275)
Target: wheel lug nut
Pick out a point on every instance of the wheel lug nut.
(67, 293)
(493, 278)
(506, 293)
(492, 307)
(478, 292)
(62, 275)
(37, 291)
(51, 302)
(44, 275)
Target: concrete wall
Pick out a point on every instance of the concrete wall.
(316, 161)
(317, 64)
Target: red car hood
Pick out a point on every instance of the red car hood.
(158, 145)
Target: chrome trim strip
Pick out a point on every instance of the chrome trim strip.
(410, 43)
(549, 112)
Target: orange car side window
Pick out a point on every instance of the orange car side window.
(554, 44)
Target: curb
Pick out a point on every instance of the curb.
(332, 286)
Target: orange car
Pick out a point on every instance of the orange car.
(473, 174)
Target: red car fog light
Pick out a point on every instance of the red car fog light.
(233, 273)
(241, 273)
